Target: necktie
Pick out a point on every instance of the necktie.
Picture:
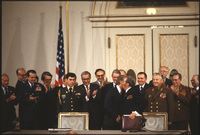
(70, 89)
(87, 87)
(6, 90)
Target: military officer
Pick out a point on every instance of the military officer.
(159, 97)
(70, 97)
(182, 97)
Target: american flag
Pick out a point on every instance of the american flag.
(60, 66)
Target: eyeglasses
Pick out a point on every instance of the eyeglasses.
(22, 75)
(192, 80)
(85, 79)
(163, 71)
(99, 75)
(48, 79)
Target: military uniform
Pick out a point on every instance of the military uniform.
(71, 101)
(181, 108)
(160, 100)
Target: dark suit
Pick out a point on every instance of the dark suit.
(49, 109)
(93, 107)
(194, 113)
(146, 86)
(160, 100)
(103, 92)
(181, 108)
(168, 83)
(133, 101)
(71, 102)
(112, 103)
(7, 110)
(19, 86)
(29, 110)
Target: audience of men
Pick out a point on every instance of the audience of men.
(182, 98)
(106, 102)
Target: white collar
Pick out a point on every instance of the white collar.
(128, 89)
(118, 88)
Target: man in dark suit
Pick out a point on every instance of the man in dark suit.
(71, 97)
(91, 92)
(7, 97)
(112, 103)
(132, 100)
(49, 106)
(142, 85)
(21, 75)
(30, 99)
(160, 98)
(182, 97)
(164, 72)
(115, 74)
(194, 106)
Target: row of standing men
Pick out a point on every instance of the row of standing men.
(39, 104)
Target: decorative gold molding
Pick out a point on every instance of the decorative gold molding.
(94, 8)
(133, 20)
(67, 15)
(128, 35)
(187, 49)
(100, 8)
(145, 26)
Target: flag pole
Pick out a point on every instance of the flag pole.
(60, 9)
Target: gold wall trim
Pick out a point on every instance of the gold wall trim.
(115, 16)
(100, 8)
(187, 50)
(67, 16)
(94, 8)
(128, 35)
(145, 26)
(133, 20)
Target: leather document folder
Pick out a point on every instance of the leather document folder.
(131, 124)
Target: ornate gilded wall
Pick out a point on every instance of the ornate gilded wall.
(174, 54)
(130, 52)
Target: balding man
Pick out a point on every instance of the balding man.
(7, 97)
(159, 97)
(164, 71)
(21, 75)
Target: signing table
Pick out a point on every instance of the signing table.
(86, 132)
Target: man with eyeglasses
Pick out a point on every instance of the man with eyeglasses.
(49, 106)
(163, 70)
(90, 92)
(100, 75)
(182, 97)
(194, 106)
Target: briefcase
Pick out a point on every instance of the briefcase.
(131, 124)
